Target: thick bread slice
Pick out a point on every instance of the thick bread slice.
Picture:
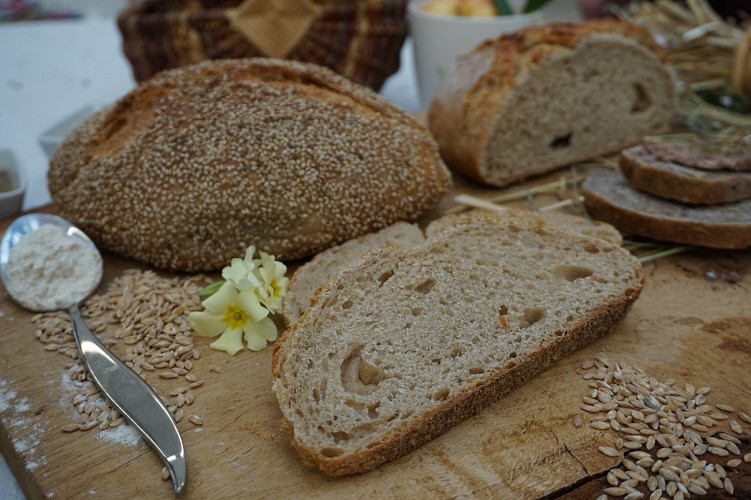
(549, 96)
(646, 172)
(609, 197)
(407, 343)
(566, 222)
(327, 264)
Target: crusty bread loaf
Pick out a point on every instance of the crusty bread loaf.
(408, 342)
(609, 197)
(565, 222)
(548, 96)
(667, 179)
(323, 267)
(197, 163)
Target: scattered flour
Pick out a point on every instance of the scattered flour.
(23, 406)
(49, 270)
(124, 434)
(6, 396)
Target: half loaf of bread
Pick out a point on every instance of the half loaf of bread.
(406, 343)
(667, 179)
(323, 267)
(198, 163)
(549, 96)
(609, 197)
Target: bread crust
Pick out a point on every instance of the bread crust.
(647, 173)
(198, 163)
(466, 402)
(721, 226)
(466, 106)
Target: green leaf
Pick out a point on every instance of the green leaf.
(503, 8)
(533, 5)
(210, 290)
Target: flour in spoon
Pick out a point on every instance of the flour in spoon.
(48, 270)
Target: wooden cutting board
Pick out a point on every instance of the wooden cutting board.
(692, 323)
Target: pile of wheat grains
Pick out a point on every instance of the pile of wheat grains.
(142, 318)
(663, 431)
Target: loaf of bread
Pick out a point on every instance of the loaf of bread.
(198, 163)
(549, 96)
(312, 275)
(668, 179)
(609, 197)
(406, 343)
(565, 222)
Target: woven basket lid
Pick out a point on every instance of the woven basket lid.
(360, 40)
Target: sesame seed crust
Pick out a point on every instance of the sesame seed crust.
(191, 167)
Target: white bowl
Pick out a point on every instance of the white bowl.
(53, 136)
(438, 40)
(13, 177)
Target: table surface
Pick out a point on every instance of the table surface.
(51, 69)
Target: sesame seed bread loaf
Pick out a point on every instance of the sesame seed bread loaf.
(646, 172)
(609, 197)
(565, 222)
(311, 276)
(548, 96)
(194, 165)
(406, 343)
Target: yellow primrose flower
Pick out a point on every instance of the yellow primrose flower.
(231, 314)
(241, 274)
(275, 284)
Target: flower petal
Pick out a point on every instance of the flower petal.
(249, 302)
(236, 271)
(230, 341)
(265, 328)
(255, 342)
(249, 253)
(206, 324)
(224, 297)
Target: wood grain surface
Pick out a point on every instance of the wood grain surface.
(692, 323)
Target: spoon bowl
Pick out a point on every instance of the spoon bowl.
(127, 392)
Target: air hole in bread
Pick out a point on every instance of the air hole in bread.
(512, 354)
(373, 410)
(340, 436)
(407, 326)
(591, 248)
(426, 286)
(331, 452)
(385, 277)
(532, 315)
(456, 351)
(561, 141)
(441, 395)
(358, 375)
(347, 304)
(436, 361)
(572, 273)
(642, 102)
(316, 395)
(416, 311)
(503, 310)
(476, 371)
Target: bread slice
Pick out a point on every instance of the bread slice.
(549, 96)
(646, 172)
(565, 222)
(406, 343)
(323, 267)
(609, 197)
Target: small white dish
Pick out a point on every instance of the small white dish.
(54, 136)
(438, 41)
(12, 184)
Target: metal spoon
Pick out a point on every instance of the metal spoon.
(127, 392)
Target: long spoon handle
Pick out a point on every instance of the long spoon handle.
(133, 398)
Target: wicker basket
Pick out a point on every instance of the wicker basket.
(360, 39)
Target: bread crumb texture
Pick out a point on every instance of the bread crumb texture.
(191, 167)
(408, 342)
